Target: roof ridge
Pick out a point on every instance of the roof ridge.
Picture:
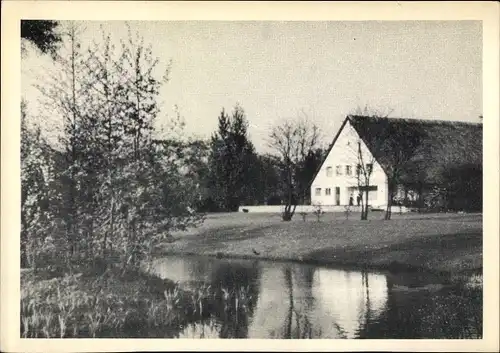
(429, 121)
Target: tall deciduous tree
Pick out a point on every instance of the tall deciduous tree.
(393, 145)
(293, 141)
(67, 92)
(399, 145)
(380, 143)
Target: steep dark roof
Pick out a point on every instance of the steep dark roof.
(435, 145)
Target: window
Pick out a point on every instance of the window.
(348, 170)
(318, 192)
(328, 191)
(329, 171)
(369, 168)
(338, 170)
(358, 169)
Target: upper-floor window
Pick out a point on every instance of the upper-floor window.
(358, 169)
(329, 171)
(348, 170)
(318, 192)
(369, 168)
(338, 170)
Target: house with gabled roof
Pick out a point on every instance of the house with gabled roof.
(445, 149)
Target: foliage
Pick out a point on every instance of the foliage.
(110, 187)
(42, 34)
(267, 182)
(462, 187)
(232, 162)
(35, 189)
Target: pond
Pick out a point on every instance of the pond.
(290, 300)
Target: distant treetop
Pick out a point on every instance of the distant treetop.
(42, 33)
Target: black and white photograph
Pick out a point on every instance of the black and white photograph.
(252, 179)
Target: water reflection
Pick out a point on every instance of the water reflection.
(348, 300)
(259, 299)
(234, 288)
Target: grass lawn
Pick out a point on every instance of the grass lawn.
(449, 243)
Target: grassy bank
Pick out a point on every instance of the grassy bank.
(444, 243)
(115, 304)
(107, 305)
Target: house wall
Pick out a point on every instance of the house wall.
(342, 154)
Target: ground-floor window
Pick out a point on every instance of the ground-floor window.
(317, 192)
(328, 191)
(357, 194)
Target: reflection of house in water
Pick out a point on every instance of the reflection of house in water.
(345, 301)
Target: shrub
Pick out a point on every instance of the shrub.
(318, 211)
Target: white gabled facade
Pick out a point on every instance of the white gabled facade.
(336, 180)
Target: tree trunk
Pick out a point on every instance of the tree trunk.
(390, 196)
(388, 211)
(362, 203)
(366, 204)
(288, 214)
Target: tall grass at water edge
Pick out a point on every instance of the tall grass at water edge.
(75, 306)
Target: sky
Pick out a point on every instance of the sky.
(275, 70)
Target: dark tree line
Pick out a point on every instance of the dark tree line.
(236, 175)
